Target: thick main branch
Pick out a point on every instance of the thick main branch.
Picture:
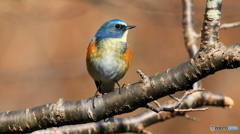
(139, 122)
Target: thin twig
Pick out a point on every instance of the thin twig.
(174, 108)
(174, 98)
(230, 25)
(190, 110)
(191, 118)
(224, 26)
(156, 102)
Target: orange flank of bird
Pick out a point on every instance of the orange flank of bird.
(92, 50)
(127, 56)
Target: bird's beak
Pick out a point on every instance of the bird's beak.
(130, 27)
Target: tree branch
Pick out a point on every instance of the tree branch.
(225, 26)
(175, 107)
(211, 23)
(189, 34)
(132, 97)
(137, 123)
(230, 25)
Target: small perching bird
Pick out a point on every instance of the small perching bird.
(108, 55)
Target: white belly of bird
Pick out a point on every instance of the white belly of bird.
(110, 69)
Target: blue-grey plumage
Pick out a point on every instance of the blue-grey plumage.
(108, 55)
(114, 29)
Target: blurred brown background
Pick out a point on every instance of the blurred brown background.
(43, 45)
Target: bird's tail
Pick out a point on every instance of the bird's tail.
(106, 87)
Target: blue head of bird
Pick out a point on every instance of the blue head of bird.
(114, 29)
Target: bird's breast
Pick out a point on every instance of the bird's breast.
(108, 60)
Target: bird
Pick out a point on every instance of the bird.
(108, 55)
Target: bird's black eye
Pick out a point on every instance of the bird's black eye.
(118, 26)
